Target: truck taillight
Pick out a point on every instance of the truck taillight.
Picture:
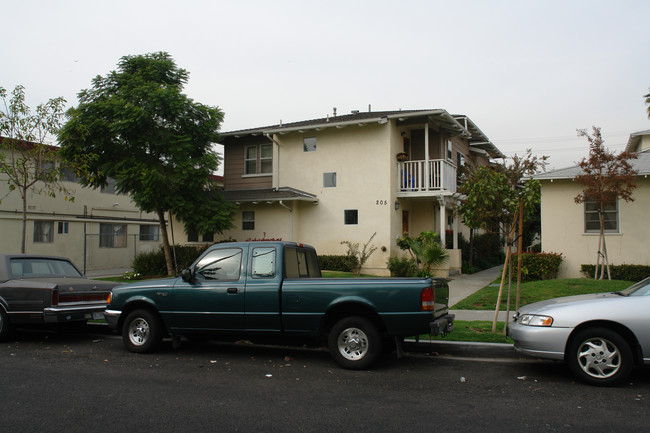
(55, 297)
(428, 299)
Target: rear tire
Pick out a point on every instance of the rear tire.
(354, 342)
(600, 356)
(142, 331)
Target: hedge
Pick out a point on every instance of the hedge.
(537, 266)
(338, 263)
(619, 272)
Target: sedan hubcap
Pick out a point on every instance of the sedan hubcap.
(599, 358)
(353, 344)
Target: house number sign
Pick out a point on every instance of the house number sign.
(381, 202)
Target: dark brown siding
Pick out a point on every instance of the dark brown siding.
(234, 164)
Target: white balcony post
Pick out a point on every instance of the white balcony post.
(427, 179)
(443, 222)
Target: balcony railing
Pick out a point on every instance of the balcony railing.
(426, 176)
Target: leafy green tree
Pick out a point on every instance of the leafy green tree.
(503, 196)
(27, 163)
(135, 126)
(606, 177)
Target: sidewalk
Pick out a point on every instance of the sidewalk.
(464, 285)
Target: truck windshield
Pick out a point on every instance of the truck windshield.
(301, 263)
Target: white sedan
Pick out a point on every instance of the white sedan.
(600, 336)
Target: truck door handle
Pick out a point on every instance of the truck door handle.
(232, 290)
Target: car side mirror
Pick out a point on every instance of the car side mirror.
(188, 275)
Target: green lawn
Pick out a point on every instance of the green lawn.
(477, 331)
(486, 298)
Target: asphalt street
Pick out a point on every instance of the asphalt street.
(82, 382)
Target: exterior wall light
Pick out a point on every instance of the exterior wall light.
(396, 205)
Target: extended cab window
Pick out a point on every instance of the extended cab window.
(223, 264)
(301, 263)
(263, 262)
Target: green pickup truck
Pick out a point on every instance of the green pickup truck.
(275, 289)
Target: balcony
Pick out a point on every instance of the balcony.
(425, 178)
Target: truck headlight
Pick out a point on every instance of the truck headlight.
(535, 320)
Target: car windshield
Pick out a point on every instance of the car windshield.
(42, 267)
(642, 288)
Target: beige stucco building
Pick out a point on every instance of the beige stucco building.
(572, 229)
(99, 230)
(338, 178)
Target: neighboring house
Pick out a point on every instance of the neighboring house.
(573, 229)
(99, 230)
(338, 178)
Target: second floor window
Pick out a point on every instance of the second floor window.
(258, 159)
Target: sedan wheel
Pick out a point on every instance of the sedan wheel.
(5, 326)
(600, 356)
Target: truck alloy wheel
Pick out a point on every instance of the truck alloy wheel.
(354, 342)
(142, 331)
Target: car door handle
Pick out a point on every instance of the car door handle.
(232, 290)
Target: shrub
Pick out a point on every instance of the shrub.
(620, 272)
(152, 263)
(338, 263)
(537, 266)
(402, 267)
(361, 255)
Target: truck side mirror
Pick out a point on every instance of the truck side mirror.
(188, 275)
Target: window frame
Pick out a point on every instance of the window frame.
(309, 144)
(263, 165)
(149, 237)
(248, 220)
(592, 216)
(114, 239)
(331, 177)
(350, 215)
(41, 236)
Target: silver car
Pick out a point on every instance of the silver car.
(600, 336)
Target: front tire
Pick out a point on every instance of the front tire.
(600, 356)
(6, 329)
(142, 331)
(354, 343)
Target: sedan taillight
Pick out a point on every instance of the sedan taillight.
(55, 297)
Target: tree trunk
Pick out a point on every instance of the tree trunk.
(166, 249)
(503, 274)
(24, 240)
(520, 248)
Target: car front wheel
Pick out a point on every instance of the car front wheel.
(354, 343)
(5, 327)
(142, 331)
(600, 356)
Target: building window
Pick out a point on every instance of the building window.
(192, 236)
(112, 235)
(258, 159)
(309, 144)
(69, 175)
(450, 152)
(329, 180)
(63, 228)
(109, 188)
(208, 237)
(149, 233)
(248, 220)
(351, 216)
(43, 231)
(592, 220)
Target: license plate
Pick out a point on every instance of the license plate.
(98, 316)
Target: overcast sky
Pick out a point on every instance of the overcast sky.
(527, 73)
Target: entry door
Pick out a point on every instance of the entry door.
(215, 299)
(405, 222)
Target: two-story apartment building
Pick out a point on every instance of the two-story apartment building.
(347, 177)
(98, 230)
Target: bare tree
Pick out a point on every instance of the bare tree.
(27, 163)
(606, 177)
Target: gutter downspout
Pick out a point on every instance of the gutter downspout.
(276, 174)
(290, 219)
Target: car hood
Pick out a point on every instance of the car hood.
(566, 301)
